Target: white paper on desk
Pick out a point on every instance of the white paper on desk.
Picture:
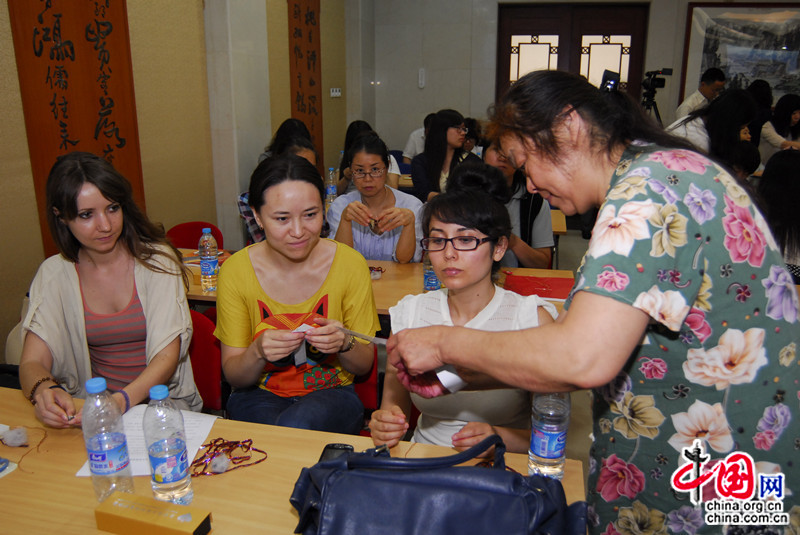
(197, 426)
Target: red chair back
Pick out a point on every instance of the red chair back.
(366, 387)
(204, 352)
(186, 235)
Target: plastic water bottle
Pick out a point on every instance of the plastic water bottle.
(106, 446)
(330, 188)
(549, 423)
(209, 261)
(430, 282)
(166, 448)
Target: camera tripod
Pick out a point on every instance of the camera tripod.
(650, 105)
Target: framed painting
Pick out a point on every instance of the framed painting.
(748, 41)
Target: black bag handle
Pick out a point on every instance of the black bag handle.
(372, 460)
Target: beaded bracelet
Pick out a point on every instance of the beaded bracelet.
(127, 400)
(36, 385)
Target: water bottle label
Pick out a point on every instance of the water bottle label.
(430, 281)
(209, 267)
(169, 468)
(111, 461)
(330, 189)
(548, 444)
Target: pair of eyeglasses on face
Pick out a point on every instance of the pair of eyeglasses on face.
(375, 172)
(460, 243)
(462, 129)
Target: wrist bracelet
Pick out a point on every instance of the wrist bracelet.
(350, 345)
(127, 400)
(58, 385)
(36, 385)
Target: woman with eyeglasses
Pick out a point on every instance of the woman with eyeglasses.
(355, 130)
(466, 235)
(444, 150)
(378, 221)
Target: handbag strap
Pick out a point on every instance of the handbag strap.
(371, 460)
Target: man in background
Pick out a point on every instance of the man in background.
(416, 140)
(711, 84)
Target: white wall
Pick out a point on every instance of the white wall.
(238, 92)
(455, 41)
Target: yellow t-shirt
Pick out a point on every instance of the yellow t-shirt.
(244, 311)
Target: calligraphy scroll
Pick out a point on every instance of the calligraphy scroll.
(305, 69)
(74, 65)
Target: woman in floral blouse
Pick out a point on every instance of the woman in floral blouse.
(683, 318)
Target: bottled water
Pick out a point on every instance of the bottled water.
(209, 261)
(330, 188)
(166, 448)
(106, 446)
(549, 423)
(430, 282)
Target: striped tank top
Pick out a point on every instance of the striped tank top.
(117, 343)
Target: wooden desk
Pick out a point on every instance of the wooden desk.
(43, 495)
(405, 182)
(396, 282)
(559, 222)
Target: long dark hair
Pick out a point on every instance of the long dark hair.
(436, 145)
(782, 116)
(371, 143)
(540, 100)
(475, 198)
(354, 130)
(279, 169)
(779, 189)
(143, 238)
(724, 117)
(287, 132)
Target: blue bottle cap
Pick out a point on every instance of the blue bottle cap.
(206, 230)
(95, 385)
(159, 392)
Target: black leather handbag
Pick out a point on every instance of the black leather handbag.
(371, 492)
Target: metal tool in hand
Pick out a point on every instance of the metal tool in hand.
(373, 339)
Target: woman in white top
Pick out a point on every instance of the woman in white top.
(781, 131)
(466, 236)
(378, 221)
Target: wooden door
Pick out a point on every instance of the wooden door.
(582, 38)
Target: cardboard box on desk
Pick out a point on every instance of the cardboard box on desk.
(129, 514)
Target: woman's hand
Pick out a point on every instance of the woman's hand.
(275, 344)
(472, 434)
(328, 338)
(56, 408)
(394, 217)
(358, 212)
(388, 426)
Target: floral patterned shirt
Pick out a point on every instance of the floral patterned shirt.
(678, 238)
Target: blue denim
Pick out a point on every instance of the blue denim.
(336, 410)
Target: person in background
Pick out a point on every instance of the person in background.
(779, 188)
(531, 242)
(782, 131)
(443, 152)
(378, 221)
(683, 318)
(416, 140)
(472, 140)
(111, 304)
(300, 146)
(712, 82)
(466, 234)
(746, 161)
(288, 132)
(345, 184)
(716, 129)
(281, 304)
(762, 95)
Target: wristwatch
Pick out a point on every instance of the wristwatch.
(350, 345)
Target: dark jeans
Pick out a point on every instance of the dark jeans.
(336, 410)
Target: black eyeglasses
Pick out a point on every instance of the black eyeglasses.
(374, 172)
(460, 243)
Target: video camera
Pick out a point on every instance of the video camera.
(652, 82)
